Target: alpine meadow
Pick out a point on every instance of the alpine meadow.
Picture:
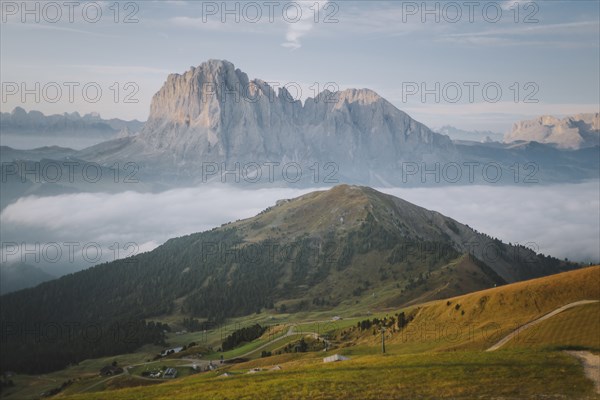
(300, 200)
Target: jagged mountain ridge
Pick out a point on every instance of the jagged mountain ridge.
(35, 122)
(214, 118)
(571, 132)
(457, 134)
(214, 113)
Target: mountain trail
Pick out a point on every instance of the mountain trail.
(591, 365)
(528, 325)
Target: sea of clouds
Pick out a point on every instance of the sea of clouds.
(70, 232)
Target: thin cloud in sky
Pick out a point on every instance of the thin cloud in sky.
(555, 35)
(296, 30)
(510, 4)
(570, 27)
(58, 28)
(386, 36)
(393, 21)
(298, 17)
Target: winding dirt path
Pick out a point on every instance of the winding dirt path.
(528, 325)
(591, 365)
(590, 361)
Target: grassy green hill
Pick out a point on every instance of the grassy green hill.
(347, 248)
(424, 359)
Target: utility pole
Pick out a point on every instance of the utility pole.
(383, 340)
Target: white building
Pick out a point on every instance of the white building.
(335, 357)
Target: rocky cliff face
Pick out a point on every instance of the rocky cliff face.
(572, 132)
(214, 113)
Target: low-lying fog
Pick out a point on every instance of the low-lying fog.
(69, 232)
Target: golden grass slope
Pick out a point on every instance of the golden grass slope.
(576, 328)
(478, 320)
(439, 355)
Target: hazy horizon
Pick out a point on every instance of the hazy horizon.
(453, 47)
(512, 214)
(302, 199)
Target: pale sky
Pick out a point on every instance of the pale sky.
(546, 56)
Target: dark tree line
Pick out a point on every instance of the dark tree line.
(243, 335)
(399, 320)
(41, 348)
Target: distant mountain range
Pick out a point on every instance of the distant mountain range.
(19, 276)
(34, 122)
(214, 114)
(213, 124)
(457, 134)
(322, 250)
(571, 132)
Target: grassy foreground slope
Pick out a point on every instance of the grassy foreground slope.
(420, 363)
(576, 328)
(522, 375)
(477, 320)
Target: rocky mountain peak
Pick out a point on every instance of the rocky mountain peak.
(215, 113)
(571, 132)
(361, 96)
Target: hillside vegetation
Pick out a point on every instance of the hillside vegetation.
(477, 320)
(321, 251)
(418, 362)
